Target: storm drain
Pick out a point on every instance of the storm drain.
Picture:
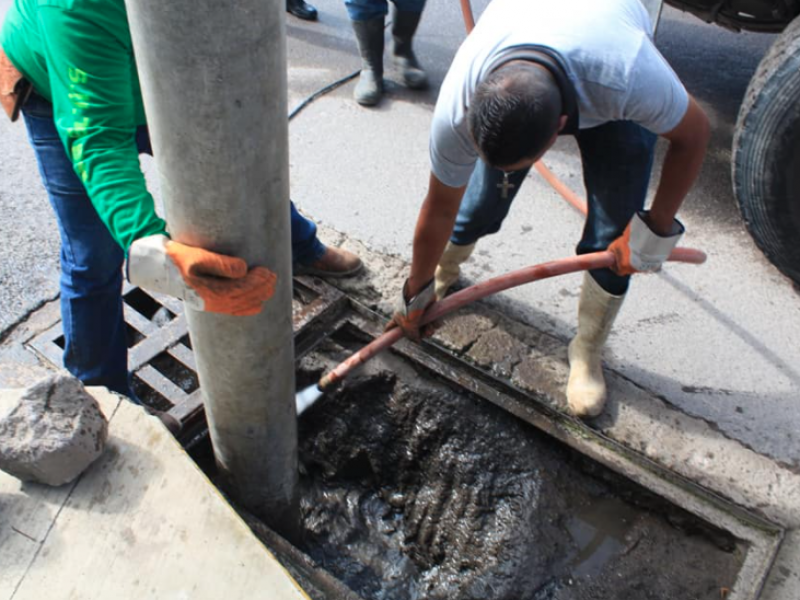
(427, 478)
(160, 351)
(395, 487)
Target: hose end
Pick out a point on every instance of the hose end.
(307, 397)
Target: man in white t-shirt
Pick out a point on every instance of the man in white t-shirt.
(532, 70)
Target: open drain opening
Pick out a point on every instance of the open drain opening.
(147, 306)
(412, 488)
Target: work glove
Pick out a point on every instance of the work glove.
(639, 249)
(205, 280)
(408, 313)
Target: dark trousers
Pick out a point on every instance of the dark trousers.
(617, 160)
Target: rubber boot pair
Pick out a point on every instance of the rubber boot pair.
(370, 38)
(597, 311)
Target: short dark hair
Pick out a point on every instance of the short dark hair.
(514, 113)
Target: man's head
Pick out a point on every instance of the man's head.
(515, 114)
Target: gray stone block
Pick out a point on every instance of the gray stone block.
(546, 377)
(498, 351)
(53, 433)
(460, 330)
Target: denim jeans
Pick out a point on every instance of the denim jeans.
(366, 10)
(306, 247)
(617, 159)
(95, 345)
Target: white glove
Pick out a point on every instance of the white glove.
(408, 313)
(639, 249)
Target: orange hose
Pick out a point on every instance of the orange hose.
(572, 264)
(561, 188)
(469, 19)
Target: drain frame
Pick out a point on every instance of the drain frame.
(321, 311)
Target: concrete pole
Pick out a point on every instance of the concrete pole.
(213, 77)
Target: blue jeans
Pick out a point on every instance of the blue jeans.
(95, 344)
(617, 159)
(306, 247)
(366, 10)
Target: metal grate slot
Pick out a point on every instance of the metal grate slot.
(178, 373)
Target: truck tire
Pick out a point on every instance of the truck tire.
(766, 154)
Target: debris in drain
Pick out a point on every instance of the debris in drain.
(414, 490)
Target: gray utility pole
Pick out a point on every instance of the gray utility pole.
(213, 77)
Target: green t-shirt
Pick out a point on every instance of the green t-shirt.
(78, 54)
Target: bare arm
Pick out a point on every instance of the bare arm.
(434, 227)
(687, 149)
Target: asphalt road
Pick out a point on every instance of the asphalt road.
(719, 341)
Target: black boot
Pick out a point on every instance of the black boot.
(369, 35)
(404, 24)
(301, 9)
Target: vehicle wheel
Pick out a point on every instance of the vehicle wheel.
(766, 154)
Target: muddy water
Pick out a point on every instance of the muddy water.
(414, 490)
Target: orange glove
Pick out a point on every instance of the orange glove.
(408, 313)
(204, 280)
(640, 249)
(223, 282)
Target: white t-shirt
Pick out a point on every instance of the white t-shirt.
(608, 54)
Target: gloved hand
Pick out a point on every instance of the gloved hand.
(408, 313)
(204, 280)
(639, 249)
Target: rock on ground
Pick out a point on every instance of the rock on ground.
(53, 433)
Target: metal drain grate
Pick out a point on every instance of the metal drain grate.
(160, 351)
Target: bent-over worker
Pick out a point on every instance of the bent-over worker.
(530, 71)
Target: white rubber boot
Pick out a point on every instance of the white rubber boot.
(597, 310)
(449, 267)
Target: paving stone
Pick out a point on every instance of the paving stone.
(547, 376)
(462, 329)
(538, 343)
(498, 351)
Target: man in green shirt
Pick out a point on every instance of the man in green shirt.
(86, 122)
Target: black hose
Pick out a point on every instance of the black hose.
(328, 88)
